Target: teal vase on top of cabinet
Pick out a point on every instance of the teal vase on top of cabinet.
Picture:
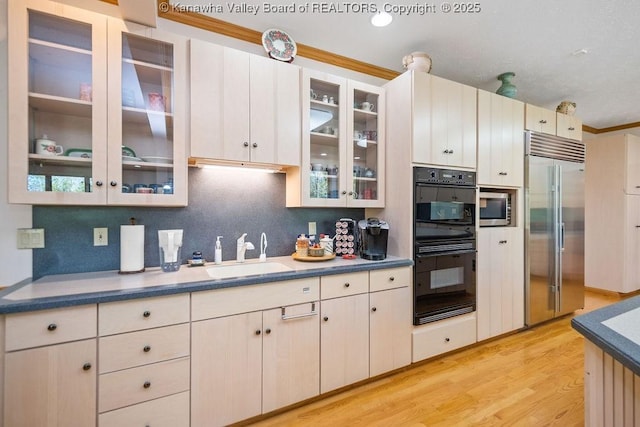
(96, 109)
(343, 144)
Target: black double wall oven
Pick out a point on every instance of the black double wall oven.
(444, 243)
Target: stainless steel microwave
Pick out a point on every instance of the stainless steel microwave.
(495, 209)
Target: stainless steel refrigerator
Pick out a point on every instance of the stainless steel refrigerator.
(554, 226)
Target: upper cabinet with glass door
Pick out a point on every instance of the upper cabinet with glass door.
(66, 143)
(147, 161)
(57, 104)
(342, 144)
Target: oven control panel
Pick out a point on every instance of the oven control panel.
(444, 176)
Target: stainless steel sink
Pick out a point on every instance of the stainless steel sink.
(243, 269)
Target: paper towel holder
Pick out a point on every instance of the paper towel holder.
(132, 251)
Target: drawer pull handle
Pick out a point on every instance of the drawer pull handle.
(346, 285)
(52, 327)
(267, 331)
(391, 279)
(374, 309)
(502, 242)
(146, 384)
(543, 121)
(86, 366)
(313, 312)
(146, 314)
(147, 348)
(502, 173)
(572, 128)
(258, 331)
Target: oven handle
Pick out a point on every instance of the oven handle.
(461, 252)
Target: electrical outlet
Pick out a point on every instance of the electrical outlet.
(100, 236)
(312, 228)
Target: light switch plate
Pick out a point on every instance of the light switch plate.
(312, 228)
(30, 238)
(100, 236)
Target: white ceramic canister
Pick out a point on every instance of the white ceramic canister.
(327, 244)
(418, 61)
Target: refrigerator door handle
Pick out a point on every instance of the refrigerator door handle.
(562, 237)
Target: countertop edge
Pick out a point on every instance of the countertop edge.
(8, 306)
(617, 346)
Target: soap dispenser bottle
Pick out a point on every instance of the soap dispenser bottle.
(218, 255)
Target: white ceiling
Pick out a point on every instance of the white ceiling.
(536, 39)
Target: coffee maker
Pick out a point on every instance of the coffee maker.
(373, 238)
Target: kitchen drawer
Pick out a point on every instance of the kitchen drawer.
(131, 386)
(146, 313)
(443, 336)
(37, 328)
(342, 285)
(380, 280)
(143, 347)
(170, 411)
(243, 299)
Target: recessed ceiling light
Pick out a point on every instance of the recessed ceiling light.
(580, 52)
(381, 19)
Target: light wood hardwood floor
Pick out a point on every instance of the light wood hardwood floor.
(531, 378)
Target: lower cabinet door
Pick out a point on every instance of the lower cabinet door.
(291, 355)
(51, 386)
(344, 341)
(390, 329)
(226, 366)
(170, 411)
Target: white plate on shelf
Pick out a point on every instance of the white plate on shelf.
(152, 159)
(131, 159)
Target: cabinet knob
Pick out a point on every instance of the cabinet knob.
(450, 151)
(344, 192)
(98, 183)
(447, 340)
(346, 285)
(267, 331)
(325, 318)
(374, 309)
(113, 183)
(254, 145)
(146, 313)
(86, 366)
(146, 348)
(52, 327)
(446, 151)
(544, 122)
(258, 331)
(246, 144)
(351, 193)
(391, 279)
(146, 384)
(572, 128)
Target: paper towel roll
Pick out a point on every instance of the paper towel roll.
(131, 248)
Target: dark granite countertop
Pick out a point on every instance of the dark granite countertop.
(105, 286)
(615, 329)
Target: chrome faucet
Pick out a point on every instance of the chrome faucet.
(241, 247)
(263, 247)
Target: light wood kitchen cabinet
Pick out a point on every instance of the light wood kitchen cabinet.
(390, 320)
(170, 411)
(50, 367)
(144, 348)
(51, 386)
(500, 140)
(106, 93)
(540, 119)
(612, 210)
(568, 126)
(443, 336)
(249, 357)
(343, 144)
(444, 121)
(244, 108)
(500, 281)
(344, 330)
